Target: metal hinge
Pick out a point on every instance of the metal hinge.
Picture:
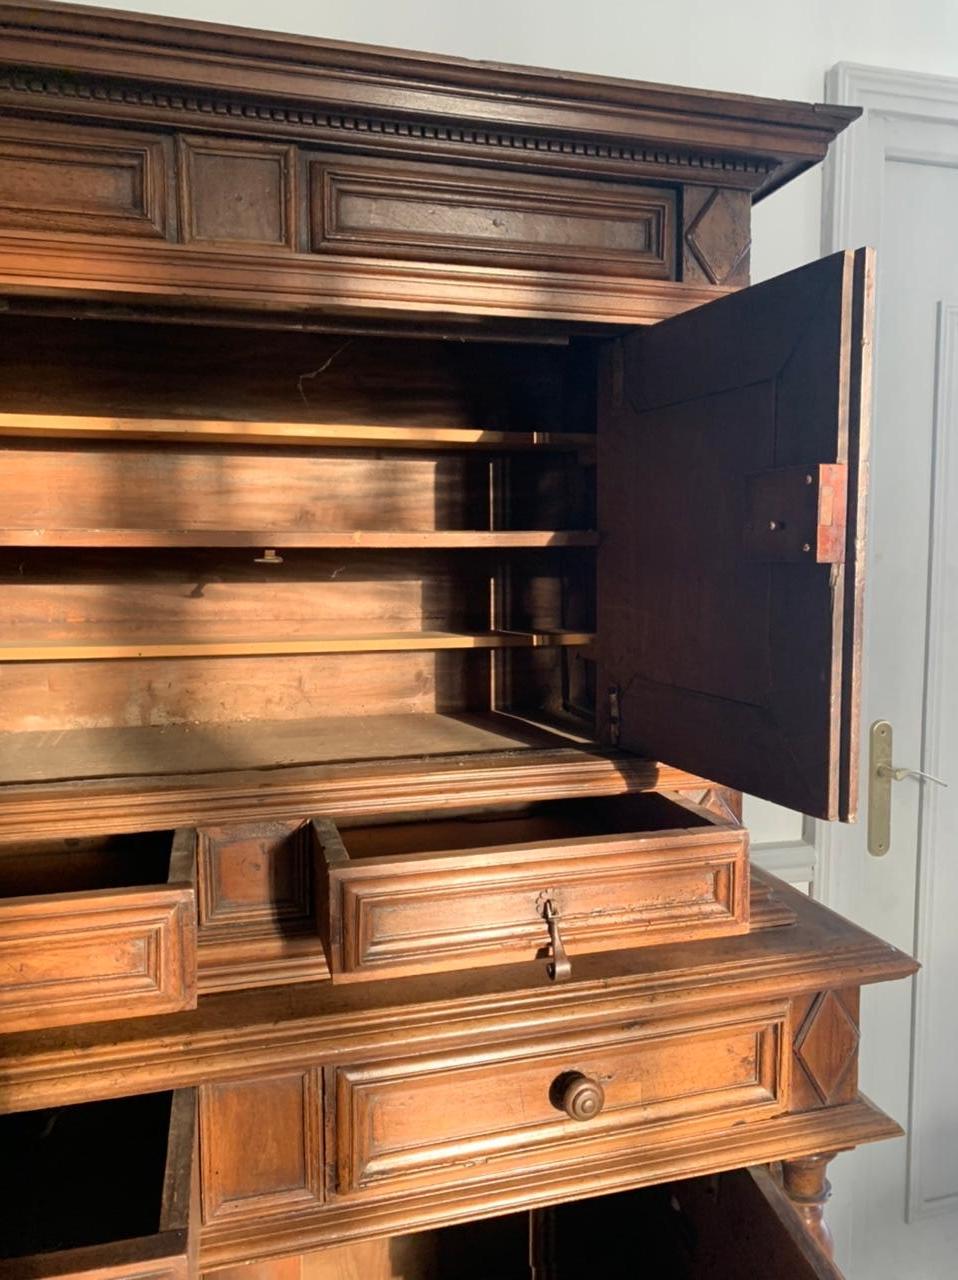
(797, 514)
(615, 723)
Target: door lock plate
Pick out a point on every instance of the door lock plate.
(880, 778)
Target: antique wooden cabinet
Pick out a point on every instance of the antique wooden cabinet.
(415, 537)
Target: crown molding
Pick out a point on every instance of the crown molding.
(88, 62)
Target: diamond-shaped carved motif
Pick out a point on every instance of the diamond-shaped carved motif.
(827, 1044)
(718, 238)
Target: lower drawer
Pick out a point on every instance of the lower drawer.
(97, 928)
(431, 1121)
(102, 1189)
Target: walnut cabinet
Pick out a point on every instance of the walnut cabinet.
(415, 535)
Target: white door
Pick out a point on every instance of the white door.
(894, 183)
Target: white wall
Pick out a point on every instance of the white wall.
(774, 48)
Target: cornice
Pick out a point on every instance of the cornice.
(96, 61)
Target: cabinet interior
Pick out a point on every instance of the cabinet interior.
(415, 577)
(77, 864)
(527, 824)
(83, 1175)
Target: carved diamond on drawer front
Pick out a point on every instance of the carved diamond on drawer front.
(715, 238)
(826, 1044)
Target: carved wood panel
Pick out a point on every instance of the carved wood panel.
(456, 214)
(716, 236)
(257, 920)
(255, 879)
(67, 178)
(237, 192)
(825, 1040)
(260, 1145)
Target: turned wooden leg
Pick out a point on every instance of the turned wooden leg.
(808, 1189)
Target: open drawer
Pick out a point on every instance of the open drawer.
(97, 928)
(100, 1189)
(548, 880)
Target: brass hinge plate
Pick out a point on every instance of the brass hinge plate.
(796, 514)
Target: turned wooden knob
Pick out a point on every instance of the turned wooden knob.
(579, 1097)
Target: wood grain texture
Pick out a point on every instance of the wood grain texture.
(260, 281)
(261, 1143)
(237, 192)
(519, 116)
(429, 897)
(102, 182)
(765, 702)
(71, 951)
(717, 1151)
(373, 642)
(435, 1121)
(344, 539)
(717, 236)
(449, 214)
(198, 694)
(257, 906)
(377, 374)
(236, 1035)
(343, 435)
(505, 759)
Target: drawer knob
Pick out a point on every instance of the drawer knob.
(579, 1097)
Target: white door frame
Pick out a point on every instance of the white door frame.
(852, 215)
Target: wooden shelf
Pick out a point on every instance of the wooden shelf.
(44, 426)
(339, 539)
(180, 749)
(380, 642)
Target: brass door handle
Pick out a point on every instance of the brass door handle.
(881, 774)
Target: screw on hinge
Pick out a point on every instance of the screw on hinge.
(269, 556)
(614, 718)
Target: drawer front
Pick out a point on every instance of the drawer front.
(456, 214)
(432, 1121)
(449, 912)
(67, 958)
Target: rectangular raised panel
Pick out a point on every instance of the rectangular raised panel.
(98, 953)
(261, 1145)
(255, 879)
(458, 214)
(77, 179)
(256, 898)
(490, 1111)
(433, 910)
(239, 192)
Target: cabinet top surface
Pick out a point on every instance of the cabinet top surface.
(786, 136)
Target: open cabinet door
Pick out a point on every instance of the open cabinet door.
(732, 471)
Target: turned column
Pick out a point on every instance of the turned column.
(808, 1189)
